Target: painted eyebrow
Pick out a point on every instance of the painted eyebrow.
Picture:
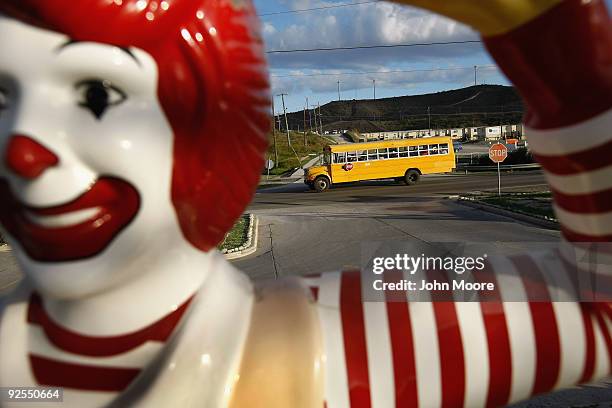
(124, 49)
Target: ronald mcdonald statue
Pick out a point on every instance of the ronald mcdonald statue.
(132, 136)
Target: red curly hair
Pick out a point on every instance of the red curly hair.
(213, 87)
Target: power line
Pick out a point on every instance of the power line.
(381, 72)
(367, 47)
(275, 13)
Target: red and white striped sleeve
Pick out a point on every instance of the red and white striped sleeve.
(402, 353)
(561, 62)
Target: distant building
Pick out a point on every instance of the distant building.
(455, 134)
(493, 133)
(512, 131)
(478, 133)
(475, 133)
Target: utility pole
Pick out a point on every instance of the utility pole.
(309, 115)
(501, 124)
(429, 117)
(304, 125)
(282, 95)
(338, 90)
(320, 120)
(314, 111)
(475, 68)
(374, 83)
(273, 115)
(274, 133)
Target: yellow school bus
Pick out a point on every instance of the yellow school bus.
(402, 159)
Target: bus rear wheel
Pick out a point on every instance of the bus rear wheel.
(321, 184)
(412, 177)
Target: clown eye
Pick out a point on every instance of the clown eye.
(3, 99)
(97, 95)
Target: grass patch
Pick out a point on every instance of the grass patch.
(286, 157)
(237, 236)
(539, 204)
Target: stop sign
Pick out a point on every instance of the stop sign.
(498, 152)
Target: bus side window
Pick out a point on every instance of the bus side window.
(423, 150)
(382, 154)
(433, 149)
(414, 151)
(403, 152)
(339, 157)
(362, 155)
(393, 152)
(444, 148)
(372, 155)
(351, 157)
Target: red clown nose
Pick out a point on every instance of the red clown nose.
(28, 158)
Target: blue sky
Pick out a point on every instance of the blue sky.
(430, 69)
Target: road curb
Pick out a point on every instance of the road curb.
(540, 222)
(250, 246)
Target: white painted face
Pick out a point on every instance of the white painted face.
(94, 216)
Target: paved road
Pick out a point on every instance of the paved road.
(9, 274)
(340, 138)
(304, 232)
(386, 191)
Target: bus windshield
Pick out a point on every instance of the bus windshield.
(326, 157)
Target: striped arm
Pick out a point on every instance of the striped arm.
(561, 62)
(578, 167)
(399, 353)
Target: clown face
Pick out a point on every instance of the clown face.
(86, 161)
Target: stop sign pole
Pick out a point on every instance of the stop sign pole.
(498, 153)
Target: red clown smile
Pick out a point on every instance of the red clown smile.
(75, 230)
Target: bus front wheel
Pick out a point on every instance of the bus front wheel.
(321, 184)
(411, 177)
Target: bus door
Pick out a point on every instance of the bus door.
(361, 168)
(339, 172)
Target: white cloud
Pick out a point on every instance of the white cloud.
(268, 29)
(368, 24)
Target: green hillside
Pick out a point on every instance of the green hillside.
(481, 105)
